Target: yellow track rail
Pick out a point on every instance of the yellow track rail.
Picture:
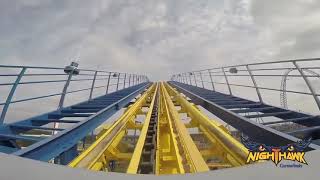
(176, 151)
(136, 157)
(98, 155)
(225, 148)
(164, 145)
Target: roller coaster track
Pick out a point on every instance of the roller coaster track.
(164, 145)
(283, 86)
(136, 126)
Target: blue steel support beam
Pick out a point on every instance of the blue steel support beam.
(92, 85)
(252, 106)
(108, 83)
(64, 91)
(18, 137)
(254, 130)
(68, 155)
(27, 127)
(53, 146)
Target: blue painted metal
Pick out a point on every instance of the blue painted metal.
(47, 69)
(129, 79)
(83, 117)
(19, 137)
(55, 145)
(195, 79)
(41, 122)
(124, 81)
(6, 149)
(118, 82)
(61, 115)
(108, 83)
(64, 91)
(211, 80)
(48, 81)
(263, 69)
(201, 79)
(68, 155)
(80, 110)
(295, 120)
(9, 98)
(92, 85)
(252, 110)
(23, 128)
(254, 83)
(259, 132)
(226, 79)
(275, 114)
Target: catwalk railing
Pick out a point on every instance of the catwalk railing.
(260, 77)
(14, 77)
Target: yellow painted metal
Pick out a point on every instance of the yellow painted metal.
(168, 158)
(226, 147)
(96, 157)
(176, 151)
(136, 157)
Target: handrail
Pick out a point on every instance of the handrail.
(208, 77)
(119, 79)
(262, 63)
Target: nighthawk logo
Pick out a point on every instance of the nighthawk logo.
(293, 152)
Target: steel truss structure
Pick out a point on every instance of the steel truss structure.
(39, 137)
(241, 113)
(164, 145)
(125, 123)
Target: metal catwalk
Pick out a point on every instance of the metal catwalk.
(121, 122)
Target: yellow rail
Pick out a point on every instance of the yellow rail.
(173, 149)
(224, 146)
(136, 157)
(98, 155)
(176, 151)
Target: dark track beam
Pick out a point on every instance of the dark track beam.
(254, 130)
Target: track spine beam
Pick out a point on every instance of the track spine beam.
(215, 132)
(53, 146)
(254, 130)
(188, 156)
(97, 156)
(139, 161)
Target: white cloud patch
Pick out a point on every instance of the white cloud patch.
(157, 37)
(293, 25)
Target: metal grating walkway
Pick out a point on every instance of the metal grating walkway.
(95, 112)
(239, 113)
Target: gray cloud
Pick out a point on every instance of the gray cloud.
(292, 25)
(157, 37)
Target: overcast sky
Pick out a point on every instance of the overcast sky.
(157, 37)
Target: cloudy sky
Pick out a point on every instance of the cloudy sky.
(157, 37)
